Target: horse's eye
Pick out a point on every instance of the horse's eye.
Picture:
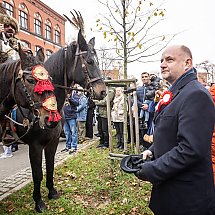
(90, 61)
(31, 80)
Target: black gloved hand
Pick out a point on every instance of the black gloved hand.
(132, 163)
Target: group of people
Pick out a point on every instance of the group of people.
(181, 155)
(116, 98)
(77, 119)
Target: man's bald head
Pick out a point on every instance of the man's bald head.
(175, 61)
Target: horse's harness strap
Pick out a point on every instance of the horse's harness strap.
(94, 79)
(33, 105)
(89, 80)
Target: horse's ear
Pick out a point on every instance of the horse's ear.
(92, 42)
(22, 54)
(40, 56)
(82, 42)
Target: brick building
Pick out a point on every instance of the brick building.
(113, 74)
(40, 26)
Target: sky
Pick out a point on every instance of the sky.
(194, 18)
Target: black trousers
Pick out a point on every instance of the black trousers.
(119, 132)
(89, 123)
(104, 138)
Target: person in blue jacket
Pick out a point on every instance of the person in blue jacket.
(70, 124)
(82, 114)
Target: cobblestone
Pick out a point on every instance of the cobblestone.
(19, 180)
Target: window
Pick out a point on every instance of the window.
(48, 54)
(57, 37)
(48, 32)
(37, 49)
(25, 44)
(9, 8)
(37, 27)
(23, 20)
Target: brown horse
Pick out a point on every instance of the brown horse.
(77, 63)
(18, 85)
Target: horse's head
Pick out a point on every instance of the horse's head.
(86, 70)
(32, 88)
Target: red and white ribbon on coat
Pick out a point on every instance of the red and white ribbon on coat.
(166, 98)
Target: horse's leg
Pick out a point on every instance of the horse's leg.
(50, 151)
(35, 154)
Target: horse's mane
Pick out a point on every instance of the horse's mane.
(9, 67)
(55, 64)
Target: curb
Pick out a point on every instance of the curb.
(17, 181)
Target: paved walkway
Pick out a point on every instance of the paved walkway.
(18, 180)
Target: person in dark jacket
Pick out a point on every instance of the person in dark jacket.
(181, 166)
(70, 124)
(90, 116)
(145, 95)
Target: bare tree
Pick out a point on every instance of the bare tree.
(105, 58)
(209, 68)
(129, 25)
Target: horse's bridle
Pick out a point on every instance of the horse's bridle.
(34, 106)
(89, 80)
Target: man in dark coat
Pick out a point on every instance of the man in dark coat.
(181, 166)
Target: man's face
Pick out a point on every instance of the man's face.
(9, 31)
(145, 78)
(174, 63)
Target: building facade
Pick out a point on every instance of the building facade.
(40, 26)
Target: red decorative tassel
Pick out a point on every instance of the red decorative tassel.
(57, 116)
(43, 85)
(50, 117)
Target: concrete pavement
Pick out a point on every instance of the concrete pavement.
(15, 172)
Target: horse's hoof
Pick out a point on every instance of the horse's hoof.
(53, 194)
(40, 206)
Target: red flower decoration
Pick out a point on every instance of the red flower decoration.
(165, 99)
(42, 77)
(50, 104)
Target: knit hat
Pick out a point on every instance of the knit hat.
(9, 20)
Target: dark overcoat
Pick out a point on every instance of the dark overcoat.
(181, 173)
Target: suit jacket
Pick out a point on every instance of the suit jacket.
(181, 173)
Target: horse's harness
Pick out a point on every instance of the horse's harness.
(34, 106)
(89, 80)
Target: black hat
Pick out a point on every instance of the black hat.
(131, 163)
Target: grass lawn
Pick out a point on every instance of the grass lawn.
(89, 183)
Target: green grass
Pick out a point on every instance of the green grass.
(89, 183)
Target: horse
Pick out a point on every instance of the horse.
(18, 85)
(76, 63)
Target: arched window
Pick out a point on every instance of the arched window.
(48, 53)
(48, 30)
(23, 16)
(23, 20)
(37, 49)
(57, 34)
(37, 24)
(25, 44)
(37, 27)
(9, 8)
